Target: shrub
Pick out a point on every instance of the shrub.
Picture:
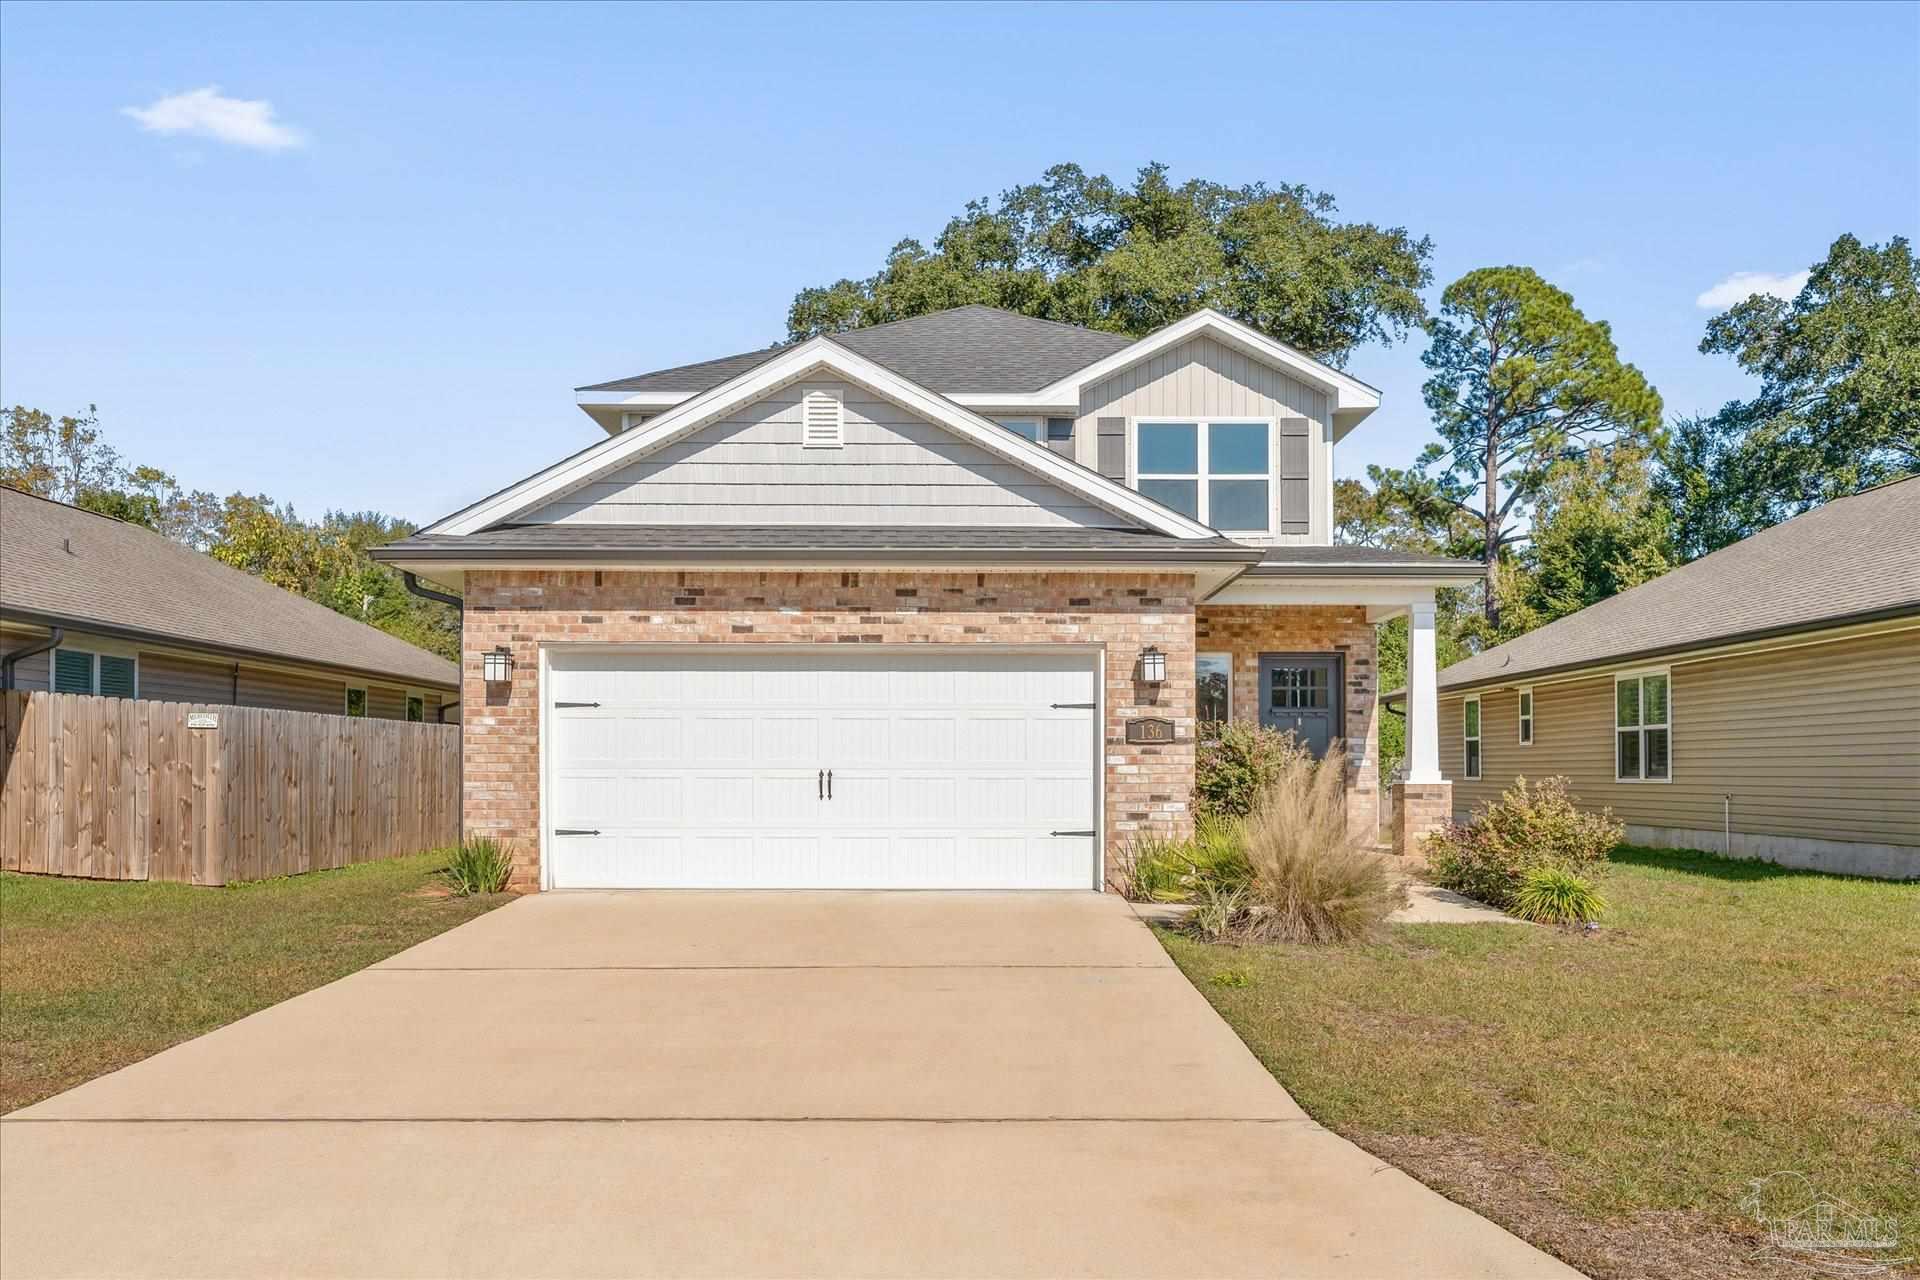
(1150, 868)
(1531, 826)
(479, 865)
(1154, 868)
(1554, 895)
(1309, 877)
(1235, 762)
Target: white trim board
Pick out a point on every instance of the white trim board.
(810, 358)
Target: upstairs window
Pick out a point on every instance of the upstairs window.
(1470, 736)
(1034, 429)
(1218, 472)
(1526, 717)
(1642, 731)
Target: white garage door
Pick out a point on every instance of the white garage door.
(811, 770)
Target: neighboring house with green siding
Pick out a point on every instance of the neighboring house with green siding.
(90, 604)
(1762, 701)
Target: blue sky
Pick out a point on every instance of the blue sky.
(382, 294)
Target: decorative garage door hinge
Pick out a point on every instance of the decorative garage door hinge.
(576, 704)
(1073, 706)
(576, 831)
(1071, 833)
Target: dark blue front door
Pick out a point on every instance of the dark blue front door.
(1301, 696)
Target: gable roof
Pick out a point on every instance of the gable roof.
(790, 365)
(73, 568)
(1856, 559)
(964, 350)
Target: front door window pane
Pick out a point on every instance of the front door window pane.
(1182, 495)
(1169, 448)
(1237, 504)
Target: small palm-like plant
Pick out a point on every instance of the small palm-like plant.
(1554, 895)
(479, 865)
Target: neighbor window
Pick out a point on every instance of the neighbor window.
(1641, 728)
(1220, 473)
(1526, 716)
(416, 707)
(1470, 734)
(356, 702)
(81, 671)
(1214, 703)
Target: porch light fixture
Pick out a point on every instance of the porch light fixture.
(497, 664)
(1153, 666)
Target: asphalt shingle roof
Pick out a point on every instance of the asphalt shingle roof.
(1857, 557)
(787, 542)
(77, 568)
(971, 350)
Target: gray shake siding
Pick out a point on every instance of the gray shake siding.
(1203, 378)
(894, 469)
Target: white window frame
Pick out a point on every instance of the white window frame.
(366, 702)
(1637, 675)
(1228, 659)
(1470, 767)
(1203, 430)
(1524, 706)
(93, 654)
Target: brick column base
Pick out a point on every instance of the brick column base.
(1420, 809)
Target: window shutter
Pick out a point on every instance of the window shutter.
(822, 420)
(72, 671)
(116, 677)
(1060, 436)
(1111, 460)
(1296, 476)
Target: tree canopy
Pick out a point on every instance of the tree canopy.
(1838, 408)
(1087, 250)
(1521, 383)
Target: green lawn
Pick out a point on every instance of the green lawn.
(97, 974)
(1608, 1096)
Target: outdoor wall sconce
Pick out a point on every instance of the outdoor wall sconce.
(497, 665)
(1153, 666)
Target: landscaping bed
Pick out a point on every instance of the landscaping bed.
(1609, 1095)
(98, 974)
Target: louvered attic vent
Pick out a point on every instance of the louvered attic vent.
(822, 420)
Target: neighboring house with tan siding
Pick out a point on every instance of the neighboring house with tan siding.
(90, 604)
(1762, 701)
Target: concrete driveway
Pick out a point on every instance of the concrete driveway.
(739, 1084)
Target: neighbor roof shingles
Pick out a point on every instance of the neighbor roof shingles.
(1856, 557)
(79, 568)
(971, 350)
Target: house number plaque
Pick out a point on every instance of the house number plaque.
(1150, 729)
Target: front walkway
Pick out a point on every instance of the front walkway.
(727, 1084)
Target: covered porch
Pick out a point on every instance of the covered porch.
(1292, 644)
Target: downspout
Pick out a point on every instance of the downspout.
(54, 636)
(442, 597)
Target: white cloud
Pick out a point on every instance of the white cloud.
(1742, 285)
(206, 113)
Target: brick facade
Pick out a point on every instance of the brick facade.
(1146, 787)
(1423, 808)
(1247, 631)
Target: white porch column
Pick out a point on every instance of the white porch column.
(1423, 697)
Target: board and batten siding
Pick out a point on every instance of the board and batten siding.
(1203, 378)
(1817, 743)
(894, 469)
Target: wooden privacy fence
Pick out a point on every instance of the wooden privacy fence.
(125, 789)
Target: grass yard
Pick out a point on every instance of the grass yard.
(1609, 1096)
(97, 974)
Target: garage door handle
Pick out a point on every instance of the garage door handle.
(576, 831)
(1070, 833)
(576, 704)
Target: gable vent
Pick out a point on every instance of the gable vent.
(822, 420)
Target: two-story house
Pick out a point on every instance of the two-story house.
(936, 604)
